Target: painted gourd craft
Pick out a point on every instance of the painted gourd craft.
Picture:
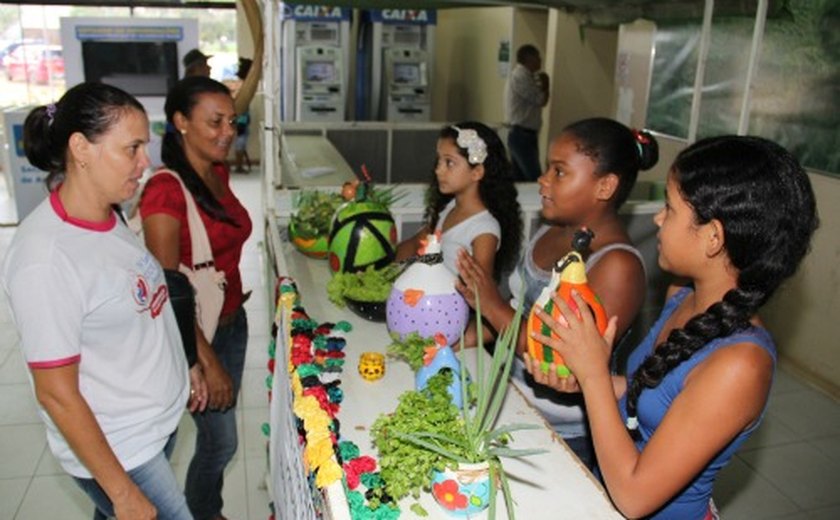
(424, 299)
(569, 274)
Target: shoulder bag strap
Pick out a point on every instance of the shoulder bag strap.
(202, 254)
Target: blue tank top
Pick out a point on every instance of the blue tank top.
(693, 502)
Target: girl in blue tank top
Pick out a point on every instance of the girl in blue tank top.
(738, 219)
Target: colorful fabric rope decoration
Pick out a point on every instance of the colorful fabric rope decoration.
(315, 361)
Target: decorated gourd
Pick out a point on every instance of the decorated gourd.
(316, 247)
(568, 274)
(362, 234)
(424, 299)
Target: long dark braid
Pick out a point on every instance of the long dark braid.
(182, 98)
(763, 199)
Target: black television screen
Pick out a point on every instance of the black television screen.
(139, 68)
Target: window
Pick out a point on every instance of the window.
(796, 94)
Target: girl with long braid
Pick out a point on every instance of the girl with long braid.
(738, 219)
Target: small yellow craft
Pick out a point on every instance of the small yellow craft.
(372, 366)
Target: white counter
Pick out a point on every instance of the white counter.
(552, 485)
(408, 210)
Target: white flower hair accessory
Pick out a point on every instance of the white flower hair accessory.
(475, 145)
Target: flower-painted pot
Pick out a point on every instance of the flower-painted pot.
(317, 247)
(444, 358)
(463, 491)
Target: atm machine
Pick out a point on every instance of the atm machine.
(394, 65)
(315, 46)
(405, 85)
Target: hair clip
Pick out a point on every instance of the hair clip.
(475, 145)
(632, 423)
(51, 110)
(641, 140)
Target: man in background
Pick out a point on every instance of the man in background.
(195, 64)
(526, 93)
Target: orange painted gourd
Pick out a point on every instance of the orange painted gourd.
(571, 275)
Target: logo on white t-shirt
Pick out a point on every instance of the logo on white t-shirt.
(148, 301)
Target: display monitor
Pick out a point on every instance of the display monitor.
(320, 71)
(140, 68)
(407, 73)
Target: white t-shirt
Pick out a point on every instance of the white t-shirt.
(524, 99)
(461, 235)
(90, 293)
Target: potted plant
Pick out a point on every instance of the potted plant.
(364, 292)
(471, 451)
(309, 227)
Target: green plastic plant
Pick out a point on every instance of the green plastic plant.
(370, 285)
(410, 349)
(479, 439)
(405, 467)
(315, 210)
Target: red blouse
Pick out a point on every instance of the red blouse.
(162, 194)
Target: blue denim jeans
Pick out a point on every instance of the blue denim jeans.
(155, 479)
(524, 153)
(216, 441)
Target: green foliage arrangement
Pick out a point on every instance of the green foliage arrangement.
(405, 466)
(370, 285)
(315, 210)
(411, 349)
(477, 438)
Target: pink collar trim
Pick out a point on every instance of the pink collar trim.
(58, 207)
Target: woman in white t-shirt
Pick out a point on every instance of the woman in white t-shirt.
(91, 306)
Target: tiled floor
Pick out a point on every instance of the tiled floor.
(789, 469)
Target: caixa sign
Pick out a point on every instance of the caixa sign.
(314, 13)
(404, 16)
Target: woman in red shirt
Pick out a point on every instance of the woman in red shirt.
(200, 130)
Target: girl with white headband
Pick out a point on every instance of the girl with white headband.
(471, 200)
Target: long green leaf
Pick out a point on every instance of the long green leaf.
(506, 492)
(491, 513)
(432, 447)
(480, 377)
(490, 391)
(499, 390)
(437, 436)
(510, 337)
(513, 427)
(514, 452)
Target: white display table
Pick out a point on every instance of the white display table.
(551, 485)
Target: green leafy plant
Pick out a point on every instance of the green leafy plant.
(370, 285)
(405, 466)
(315, 210)
(478, 439)
(410, 349)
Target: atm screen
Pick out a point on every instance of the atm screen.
(139, 68)
(320, 71)
(407, 73)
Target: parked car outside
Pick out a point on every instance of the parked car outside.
(35, 63)
(9, 46)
